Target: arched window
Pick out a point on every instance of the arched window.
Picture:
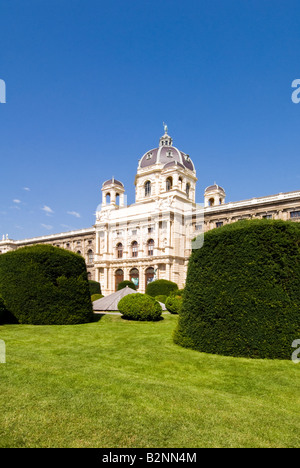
(150, 245)
(79, 252)
(119, 250)
(134, 249)
(169, 183)
(211, 202)
(180, 183)
(134, 276)
(147, 188)
(107, 198)
(149, 275)
(90, 256)
(117, 199)
(187, 190)
(119, 277)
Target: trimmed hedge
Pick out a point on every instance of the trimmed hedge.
(160, 287)
(95, 297)
(45, 285)
(125, 283)
(5, 315)
(174, 303)
(95, 287)
(161, 298)
(140, 307)
(242, 291)
(3, 311)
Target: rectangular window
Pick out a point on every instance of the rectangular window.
(219, 224)
(295, 214)
(268, 216)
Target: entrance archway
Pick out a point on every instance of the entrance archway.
(134, 277)
(149, 275)
(119, 277)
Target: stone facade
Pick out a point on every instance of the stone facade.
(153, 237)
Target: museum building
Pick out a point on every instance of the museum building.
(153, 237)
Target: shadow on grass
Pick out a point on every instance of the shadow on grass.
(97, 317)
(129, 319)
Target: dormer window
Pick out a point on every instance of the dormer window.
(149, 156)
(169, 154)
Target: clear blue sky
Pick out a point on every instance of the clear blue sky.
(89, 84)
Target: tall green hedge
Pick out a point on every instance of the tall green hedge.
(160, 287)
(242, 291)
(3, 311)
(45, 285)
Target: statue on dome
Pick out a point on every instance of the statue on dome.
(165, 127)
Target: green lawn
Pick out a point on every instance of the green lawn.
(115, 383)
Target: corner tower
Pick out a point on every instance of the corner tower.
(112, 194)
(214, 195)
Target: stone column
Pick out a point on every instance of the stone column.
(168, 272)
(105, 280)
(142, 281)
(156, 241)
(141, 243)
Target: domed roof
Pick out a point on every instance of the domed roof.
(165, 154)
(112, 181)
(173, 163)
(211, 188)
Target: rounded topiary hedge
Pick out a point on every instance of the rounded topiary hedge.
(45, 285)
(174, 303)
(140, 307)
(95, 287)
(160, 287)
(125, 283)
(242, 291)
(161, 298)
